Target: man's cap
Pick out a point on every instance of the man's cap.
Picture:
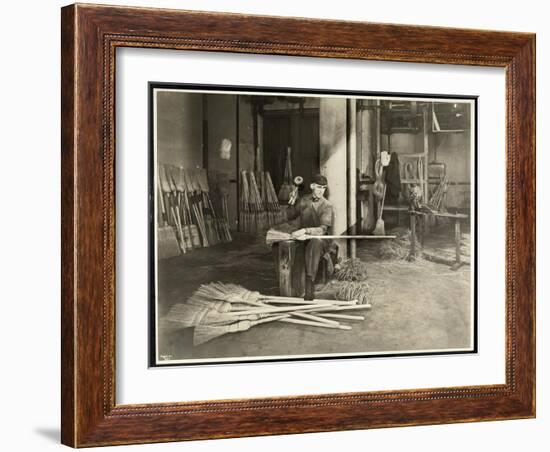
(319, 179)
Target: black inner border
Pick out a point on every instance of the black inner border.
(152, 361)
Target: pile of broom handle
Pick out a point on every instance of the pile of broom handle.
(312, 318)
(317, 313)
(302, 307)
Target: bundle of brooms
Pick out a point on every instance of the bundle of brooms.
(186, 206)
(220, 181)
(167, 242)
(287, 185)
(218, 308)
(245, 216)
(196, 201)
(278, 215)
(258, 203)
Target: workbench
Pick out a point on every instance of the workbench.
(457, 217)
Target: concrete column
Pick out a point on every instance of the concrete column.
(352, 178)
(424, 176)
(333, 161)
(370, 135)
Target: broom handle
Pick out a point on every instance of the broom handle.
(383, 200)
(321, 300)
(289, 164)
(162, 207)
(303, 308)
(301, 301)
(268, 319)
(361, 237)
(319, 324)
(343, 308)
(180, 229)
(275, 309)
(316, 318)
(341, 316)
(247, 305)
(181, 241)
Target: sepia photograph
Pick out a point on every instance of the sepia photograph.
(289, 224)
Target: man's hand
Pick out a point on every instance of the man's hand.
(300, 234)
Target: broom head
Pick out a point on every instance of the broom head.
(191, 314)
(178, 176)
(205, 333)
(163, 178)
(232, 293)
(167, 243)
(275, 236)
(170, 172)
(284, 192)
(184, 174)
(379, 228)
(202, 180)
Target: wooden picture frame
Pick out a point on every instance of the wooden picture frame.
(90, 37)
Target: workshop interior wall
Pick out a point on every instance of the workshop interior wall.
(179, 136)
(452, 149)
(247, 153)
(220, 115)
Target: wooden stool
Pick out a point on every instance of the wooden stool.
(291, 269)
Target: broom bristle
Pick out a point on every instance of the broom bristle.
(179, 178)
(218, 305)
(185, 177)
(352, 270)
(227, 292)
(163, 178)
(193, 314)
(398, 248)
(379, 228)
(274, 236)
(284, 192)
(187, 314)
(167, 242)
(205, 333)
(202, 180)
(354, 290)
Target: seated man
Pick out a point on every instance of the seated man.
(312, 215)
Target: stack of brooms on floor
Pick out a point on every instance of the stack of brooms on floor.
(186, 215)
(258, 203)
(217, 308)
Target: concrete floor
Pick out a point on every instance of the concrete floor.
(417, 307)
